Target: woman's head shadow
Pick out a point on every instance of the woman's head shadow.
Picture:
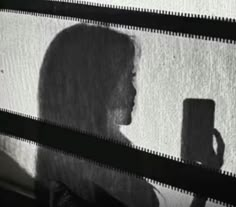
(86, 79)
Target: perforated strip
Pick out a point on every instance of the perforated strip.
(140, 162)
(157, 11)
(193, 26)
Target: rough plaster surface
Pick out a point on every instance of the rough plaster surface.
(171, 69)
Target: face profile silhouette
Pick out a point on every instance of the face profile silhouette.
(122, 100)
(86, 79)
(87, 82)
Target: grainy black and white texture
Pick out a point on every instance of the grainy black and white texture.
(150, 109)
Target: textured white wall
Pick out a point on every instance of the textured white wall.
(171, 69)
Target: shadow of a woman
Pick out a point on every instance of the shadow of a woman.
(86, 82)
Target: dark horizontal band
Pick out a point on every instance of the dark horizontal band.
(203, 27)
(196, 179)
